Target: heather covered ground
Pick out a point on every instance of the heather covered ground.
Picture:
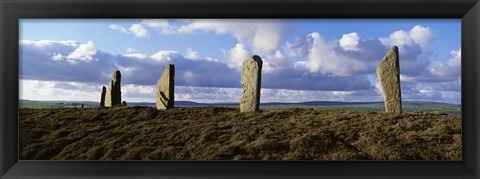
(223, 133)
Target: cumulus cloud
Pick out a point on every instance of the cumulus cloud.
(138, 30)
(118, 28)
(58, 90)
(143, 69)
(136, 55)
(324, 58)
(262, 36)
(84, 52)
(161, 25)
(300, 48)
(236, 56)
(413, 45)
(190, 54)
(135, 29)
(450, 69)
(274, 63)
(350, 41)
(322, 70)
(131, 50)
(420, 35)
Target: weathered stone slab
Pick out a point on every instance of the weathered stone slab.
(113, 96)
(388, 72)
(251, 83)
(102, 98)
(164, 97)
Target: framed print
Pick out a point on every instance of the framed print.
(239, 89)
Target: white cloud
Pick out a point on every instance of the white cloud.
(329, 70)
(262, 36)
(136, 55)
(138, 30)
(236, 56)
(47, 43)
(284, 95)
(57, 57)
(164, 55)
(450, 69)
(420, 35)
(350, 41)
(190, 54)
(131, 50)
(57, 90)
(274, 63)
(323, 58)
(159, 24)
(84, 52)
(118, 28)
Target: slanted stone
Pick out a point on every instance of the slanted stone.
(164, 97)
(251, 83)
(113, 96)
(124, 103)
(388, 72)
(102, 98)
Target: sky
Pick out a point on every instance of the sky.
(303, 59)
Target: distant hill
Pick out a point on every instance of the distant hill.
(307, 103)
(357, 106)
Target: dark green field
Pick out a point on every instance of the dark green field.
(223, 133)
(377, 107)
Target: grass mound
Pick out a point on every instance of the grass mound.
(221, 133)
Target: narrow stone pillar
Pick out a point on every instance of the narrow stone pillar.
(164, 97)
(102, 98)
(114, 95)
(388, 72)
(251, 83)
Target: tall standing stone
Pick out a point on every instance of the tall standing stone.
(388, 72)
(114, 95)
(165, 89)
(251, 83)
(102, 98)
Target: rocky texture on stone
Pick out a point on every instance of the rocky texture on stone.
(388, 72)
(102, 98)
(113, 96)
(251, 83)
(165, 89)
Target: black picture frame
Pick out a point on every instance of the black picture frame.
(13, 10)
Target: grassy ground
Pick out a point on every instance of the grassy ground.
(219, 133)
(379, 108)
(56, 104)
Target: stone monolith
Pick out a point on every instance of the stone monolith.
(251, 83)
(164, 97)
(388, 72)
(113, 96)
(102, 98)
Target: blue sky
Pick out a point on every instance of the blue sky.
(304, 59)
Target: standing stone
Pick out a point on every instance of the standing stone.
(102, 98)
(388, 72)
(124, 103)
(165, 89)
(113, 96)
(251, 83)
